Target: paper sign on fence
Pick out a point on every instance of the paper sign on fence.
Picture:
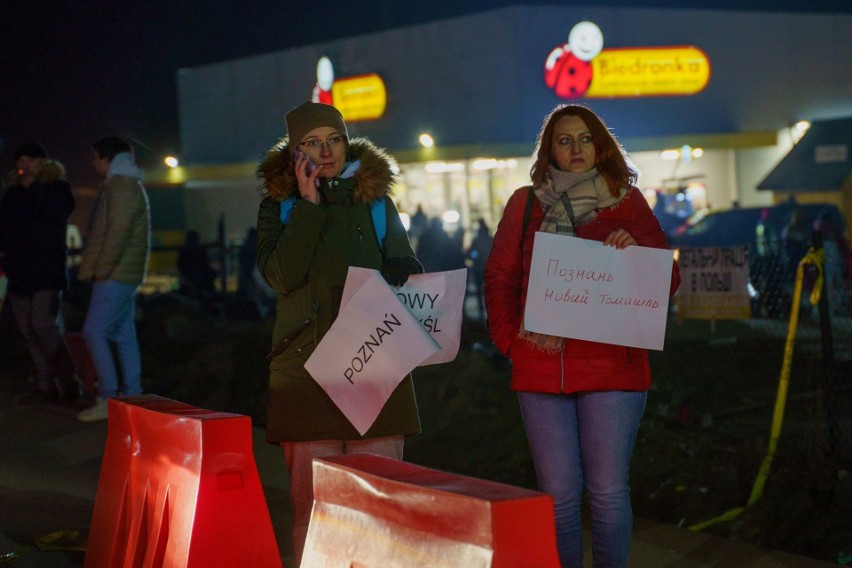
(371, 346)
(714, 283)
(436, 299)
(582, 289)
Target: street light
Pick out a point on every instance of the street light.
(171, 161)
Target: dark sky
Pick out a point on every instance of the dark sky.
(72, 71)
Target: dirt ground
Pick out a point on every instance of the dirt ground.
(701, 443)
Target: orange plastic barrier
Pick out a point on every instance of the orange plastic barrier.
(375, 511)
(82, 360)
(178, 487)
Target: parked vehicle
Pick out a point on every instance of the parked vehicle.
(777, 237)
(672, 210)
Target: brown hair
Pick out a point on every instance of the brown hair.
(111, 146)
(610, 158)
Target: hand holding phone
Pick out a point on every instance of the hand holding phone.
(310, 167)
(307, 176)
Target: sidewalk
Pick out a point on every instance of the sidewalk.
(49, 467)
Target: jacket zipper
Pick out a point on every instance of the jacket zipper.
(316, 310)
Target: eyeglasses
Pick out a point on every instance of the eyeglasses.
(330, 143)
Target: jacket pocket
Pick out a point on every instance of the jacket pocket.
(294, 348)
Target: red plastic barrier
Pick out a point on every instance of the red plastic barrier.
(82, 360)
(178, 487)
(375, 511)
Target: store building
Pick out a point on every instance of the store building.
(704, 101)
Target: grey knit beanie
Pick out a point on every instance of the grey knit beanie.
(310, 115)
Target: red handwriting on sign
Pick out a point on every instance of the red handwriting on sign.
(570, 274)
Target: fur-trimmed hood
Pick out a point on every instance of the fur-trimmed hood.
(53, 170)
(373, 178)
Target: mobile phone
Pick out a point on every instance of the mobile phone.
(311, 165)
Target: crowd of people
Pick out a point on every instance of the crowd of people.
(34, 214)
(327, 206)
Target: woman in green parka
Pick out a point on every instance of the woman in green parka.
(316, 221)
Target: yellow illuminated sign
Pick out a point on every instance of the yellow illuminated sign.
(648, 71)
(362, 97)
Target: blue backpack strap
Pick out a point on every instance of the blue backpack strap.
(380, 221)
(287, 208)
(377, 210)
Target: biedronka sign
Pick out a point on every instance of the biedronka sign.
(582, 68)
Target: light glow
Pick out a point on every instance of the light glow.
(171, 161)
(426, 140)
(798, 130)
(442, 167)
(451, 216)
(484, 164)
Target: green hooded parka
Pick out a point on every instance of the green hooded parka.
(306, 262)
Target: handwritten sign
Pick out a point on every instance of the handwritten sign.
(436, 299)
(714, 283)
(582, 289)
(371, 346)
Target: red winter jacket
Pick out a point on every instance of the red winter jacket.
(582, 365)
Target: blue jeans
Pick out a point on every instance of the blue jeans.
(586, 439)
(112, 317)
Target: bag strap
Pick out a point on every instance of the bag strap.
(377, 211)
(286, 209)
(380, 222)
(527, 213)
(568, 207)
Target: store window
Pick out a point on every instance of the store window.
(461, 191)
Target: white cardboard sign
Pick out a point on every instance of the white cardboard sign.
(581, 289)
(436, 299)
(371, 346)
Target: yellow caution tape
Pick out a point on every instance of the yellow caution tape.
(816, 258)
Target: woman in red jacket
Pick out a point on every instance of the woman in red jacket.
(581, 401)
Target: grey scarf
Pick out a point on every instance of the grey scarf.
(568, 199)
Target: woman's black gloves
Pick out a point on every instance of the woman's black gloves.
(397, 269)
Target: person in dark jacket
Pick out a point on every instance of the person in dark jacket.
(581, 401)
(194, 271)
(476, 256)
(314, 222)
(33, 223)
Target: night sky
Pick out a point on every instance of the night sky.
(72, 71)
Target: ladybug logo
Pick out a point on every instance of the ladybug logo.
(568, 67)
(325, 80)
